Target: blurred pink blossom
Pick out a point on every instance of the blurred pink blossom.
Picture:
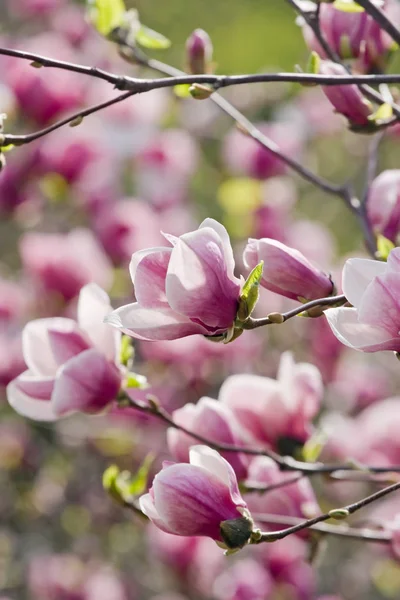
(64, 263)
(214, 421)
(383, 204)
(72, 366)
(246, 579)
(281, 408)
(244, 156)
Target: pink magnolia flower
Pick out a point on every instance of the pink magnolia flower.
(187, 289)
(286, 271)
(199, 50)
(199, 498)
(64, 263)
(72, 366)
(346, 99)
(281, 408)
(395, 543)
(245, 156)
(212, 420)
(244, 580)
(373, 323)
(354, 35)
(383, 206)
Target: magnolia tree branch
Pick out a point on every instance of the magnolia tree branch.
(278, 318)
(286, 463)
(339, 513)
(363, 534)
(139, 85)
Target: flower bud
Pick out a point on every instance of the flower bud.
(200, 498)
(199, 51)
(354, 35)
(383, 206)
(286, 271)
(346, 99)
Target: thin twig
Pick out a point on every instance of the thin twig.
(303, 308)
(349, 509)
(362, 534)
(286, 463)
(21, 139)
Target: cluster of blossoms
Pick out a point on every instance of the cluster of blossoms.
(242, 442)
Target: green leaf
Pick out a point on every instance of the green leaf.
(382, 114)
(106, 15)
(314, 446)
(138, 484)
(250, 292)
(348, 6)
(135, 380)
(182, 90)
(384, 246)
(313, 63)
(126, 351)
(148, 38)
(110, 483)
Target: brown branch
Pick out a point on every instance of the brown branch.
(21, 139)
(362, 534)
(349, 509)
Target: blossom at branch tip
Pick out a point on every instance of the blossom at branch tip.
(182, 290)
(280, 409)
(373, 288)
(200, 498)
(383, 205)
(72, 366)
(347, 100)
(286, 271)
(199, 51)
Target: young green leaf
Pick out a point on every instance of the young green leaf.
(148, 38)
(250, 292)
(106, 15)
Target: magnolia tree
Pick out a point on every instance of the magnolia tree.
(233, 359)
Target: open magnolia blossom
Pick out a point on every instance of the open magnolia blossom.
(272, 410)
(182, 290)
(373, 288)
(200, 498)
(72, 366)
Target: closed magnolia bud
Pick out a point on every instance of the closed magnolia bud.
(383, 206)
(200, 498)
(346, 99)
(199, 51)
(286, 271)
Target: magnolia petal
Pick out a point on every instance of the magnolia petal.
(67, 343)
(38, 387)
(148, 508)
(357, 275)
(212, 461)
(148, 269)
(32, 408)
(380, 306)
(226, 244)
(87, 382)
(93, 306)
(147, 324)
(37, 350)
(199, 283)
(360, 336)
